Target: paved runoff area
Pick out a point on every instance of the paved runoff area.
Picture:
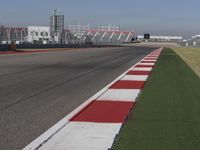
(95, 124)
(38, 89)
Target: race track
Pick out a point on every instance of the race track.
(39, 89)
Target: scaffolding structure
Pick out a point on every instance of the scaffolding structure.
(109, 28)
(57, 26)
(78, 30)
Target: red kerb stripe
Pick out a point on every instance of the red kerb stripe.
(138, 73)
(105, 112)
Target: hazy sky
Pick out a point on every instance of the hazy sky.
(169, 17)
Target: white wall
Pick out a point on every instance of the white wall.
(36, 33)
(165, 38)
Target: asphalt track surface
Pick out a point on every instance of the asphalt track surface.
(39, 89)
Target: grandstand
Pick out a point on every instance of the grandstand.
(56, 34)
(75, 35)
(13, 34)
(106, 37)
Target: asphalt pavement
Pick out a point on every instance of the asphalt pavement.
(39, 89)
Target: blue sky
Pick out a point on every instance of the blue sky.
(164, 17)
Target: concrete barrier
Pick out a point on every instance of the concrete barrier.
(6, 47)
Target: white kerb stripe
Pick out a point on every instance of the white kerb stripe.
(135, 78)
(153, 55)
(128, 95)
(84, 136)
(150, 64)
(149, 60)
(142, 69)
(152, 58)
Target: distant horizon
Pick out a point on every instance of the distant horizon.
(168, 18)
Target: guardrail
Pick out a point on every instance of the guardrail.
(6, 47)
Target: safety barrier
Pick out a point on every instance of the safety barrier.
(6, 47)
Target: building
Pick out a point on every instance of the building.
(12, 34)
(57, 27)
(56, 34)
(38, 35)
(156, 38)
(194, 41)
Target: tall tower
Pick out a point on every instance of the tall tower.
(57, 26)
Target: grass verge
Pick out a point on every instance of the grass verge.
(167, 115)
(191, 56)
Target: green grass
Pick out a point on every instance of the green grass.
(167, 115)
